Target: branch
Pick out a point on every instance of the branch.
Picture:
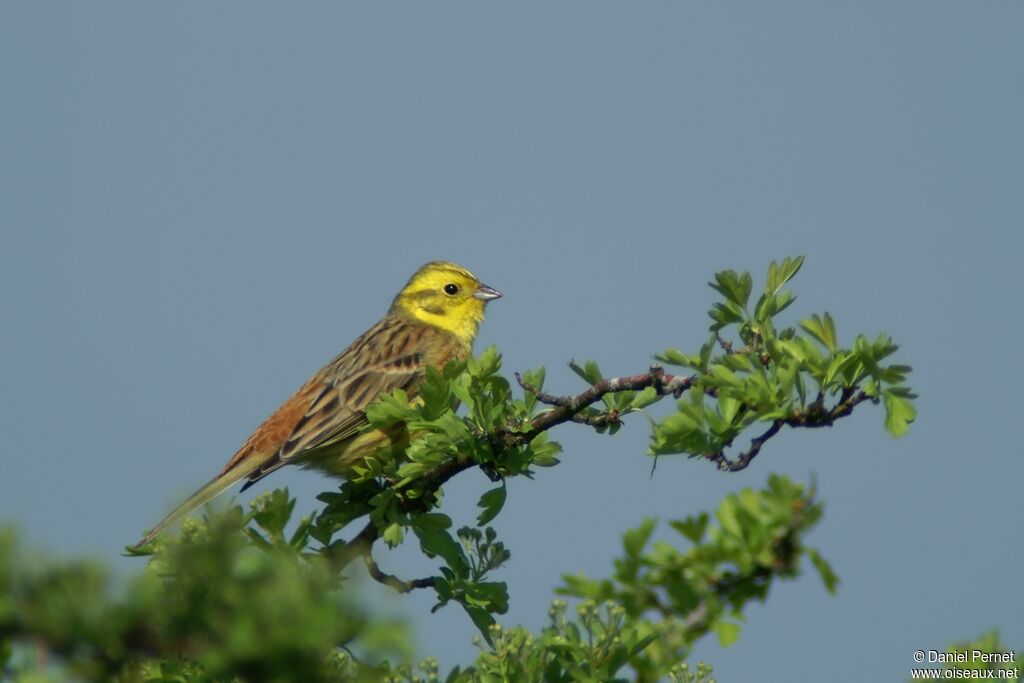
(724, 343)
(812, 417)
(816, 416)
(748, 455)
(599, 420)
(566, 407)
(392, 581)
(341, 554)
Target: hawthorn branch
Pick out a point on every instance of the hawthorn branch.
(812, 417)
(565, 407)
(598, 420)
(542, 395)
(744, 458)
(724, 343)
(341, 554)
(392, 581)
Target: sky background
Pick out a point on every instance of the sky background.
(201, 203)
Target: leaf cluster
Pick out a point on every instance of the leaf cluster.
(753, 369)
(616, 404)
(677, 596)
(237, 598)
(225, 601)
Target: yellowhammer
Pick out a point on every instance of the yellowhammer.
(431, 321)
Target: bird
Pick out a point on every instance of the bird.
(431, 321)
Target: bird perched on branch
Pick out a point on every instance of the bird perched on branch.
(433, 320)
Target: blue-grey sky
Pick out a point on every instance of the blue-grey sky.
(201, 203)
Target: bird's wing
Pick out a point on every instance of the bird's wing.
(391, 355)
(340, 411)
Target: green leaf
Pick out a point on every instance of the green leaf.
(634, 540)
(483, 621)
(725, 313)
(589, 371)
(271, 512)
(780, 274)
(535, 378)
(728, 407)
(435, 392)
(726, 377)
(433, 520)
(492, 593)
(677, 357)
(899, 412)
(492, 502)
(642, 644)
(705, 352)
(823, 329)
(894, 374)
(486, 364)
(389, 409)
(728, 632)
(782, 301)
(544, 451)
(728, 517)
(393, 535)
(733, 286)
(645, 398)
(692, 527)
(828, 577)
(439, 542)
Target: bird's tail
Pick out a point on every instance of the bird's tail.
(208, 492)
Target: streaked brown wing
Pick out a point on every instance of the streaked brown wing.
(330, 421)
(391, 355)
(330, 407)
(264, 443)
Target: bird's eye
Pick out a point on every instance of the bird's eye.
(450, 289)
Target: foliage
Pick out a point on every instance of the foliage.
(235, 598)
(780, 375)
(757, 539)
(259, 596)
(213, 605)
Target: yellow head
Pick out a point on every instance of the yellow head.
(446, 296)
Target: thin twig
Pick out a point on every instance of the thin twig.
(392, 581)
(565, 407)
(814, 416)
(599, 420)
(724, 343)
(541, 395)
(342, 554)
(744, 458)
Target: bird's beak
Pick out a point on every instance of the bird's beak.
(485, 293)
